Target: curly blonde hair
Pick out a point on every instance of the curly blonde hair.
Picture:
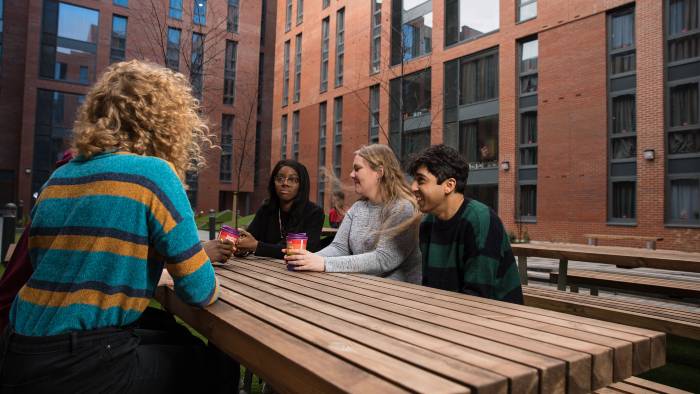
(144, 109)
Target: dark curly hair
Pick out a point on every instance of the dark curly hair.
(442, 161)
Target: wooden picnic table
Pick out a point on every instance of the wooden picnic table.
(324, 332)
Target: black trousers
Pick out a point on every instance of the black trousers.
(156, 355)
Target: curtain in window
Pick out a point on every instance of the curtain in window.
(623, 31)
(528, 127)
(478, 80)
(528, 200)
(624, 114)
(684, 142)
(623, 63)
(683, 16)
(684, 105)
(684, 48)
(685, 200)
(468, 145)
(624, 148)
(623, 200)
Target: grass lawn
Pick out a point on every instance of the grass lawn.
(226, 217)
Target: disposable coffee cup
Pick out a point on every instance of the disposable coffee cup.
(229, 233)
(296, 241)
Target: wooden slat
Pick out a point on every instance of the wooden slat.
(658, 339)
(515, 336)
(622, 256)
(475, 306)
(657, 387)
(285, 361)
(465, 374)
(560, 304)
(633, 237)
(639, 283)
(468, 348)
(628, 388)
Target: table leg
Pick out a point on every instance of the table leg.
(563, 267)
(522, 268)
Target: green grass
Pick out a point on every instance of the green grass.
(682, 369)
(226, 217)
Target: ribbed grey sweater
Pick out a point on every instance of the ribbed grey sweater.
(356, 249)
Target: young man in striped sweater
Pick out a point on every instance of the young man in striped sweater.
(463, 242)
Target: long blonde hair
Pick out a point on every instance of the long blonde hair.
(144, 109)
(392, 185)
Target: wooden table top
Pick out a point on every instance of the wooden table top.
(618, 255)
(322, 332)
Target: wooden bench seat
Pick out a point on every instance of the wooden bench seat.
(636, 385)
(649, 240)
(634, 283)
(634, 313)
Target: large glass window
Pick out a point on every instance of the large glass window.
(175, 9)
(53, 132)
(197, 65)
(412, 29)
(199, 14)
(339, 46)
(230, 72)
(285, 82)
(684, 204)
(485, 193)
(410, 117)
(173, 51)
(297, 68)
(68, 41)
(478, 142)
(376, 45)
(528, 138)
(469, 19)
(683, 30)
(528, 54)
(325, 4)
(416, 94)
(232, 17)
(226, 148)
(374, 114)
(300, 11)
(283, 138)
(527, 9)
(288, 17)
(478, 79)
(325, 31)
(295, 135)
(622, 114)
(337, 135)
(118, 49)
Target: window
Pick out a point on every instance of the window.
(528, 66)
(283, 138)
(478, 142)
(68, 41)
(326, 3)
(297, 68)
(83, 75)
(123, 3)
(337, 135)
(322, 116)
(412, 29)
(295, 135)
(2, 28)
(285, 83)
(683, 30)
(226, 148)
(410, 117)
(230, 72)
(325, 27)
(528, 201)
(288, 17)
(173, 51)
(684, 105)
(622, 115)
(197, 71)
(118, 50)
(528, 139)
(263, 22)
(300, 11)
(53, 132)
(192, 182)
(175, 11)
(339, 46)
(621, 42)
(374, 114)
(684, 204)
(478, 79)
(469, 19)
(232, 17)
(199, 14)
(376, 45)
(527, 9)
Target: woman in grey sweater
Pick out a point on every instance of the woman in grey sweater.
(379, 234)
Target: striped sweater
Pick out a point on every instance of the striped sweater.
(470, 253)
(102, 230)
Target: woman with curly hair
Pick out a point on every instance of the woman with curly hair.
(379, 234)
(102, 229)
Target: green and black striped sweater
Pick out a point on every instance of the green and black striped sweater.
(470, 253)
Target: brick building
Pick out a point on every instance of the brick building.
(53, 50)
(577, 116)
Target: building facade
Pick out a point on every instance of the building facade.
(53, 50)
(577, 116)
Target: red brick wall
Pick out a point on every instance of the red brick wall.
(572, 179)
